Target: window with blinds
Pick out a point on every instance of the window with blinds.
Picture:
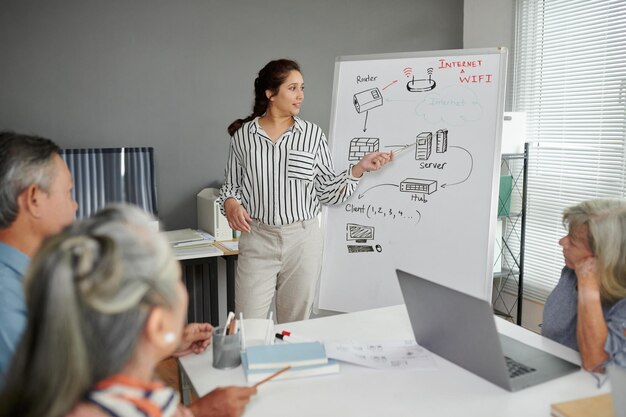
(109, 175)
(570, 79)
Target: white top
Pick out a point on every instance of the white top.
(283, 182)
(361, 392)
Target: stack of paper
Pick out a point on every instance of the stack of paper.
(188, 237)
(176, 237)
(199, 250)
(305, 359)
(189, 243)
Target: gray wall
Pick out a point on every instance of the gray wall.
(174, 74)
(488, 23)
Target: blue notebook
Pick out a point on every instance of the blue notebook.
(255, 375)
(284, 354)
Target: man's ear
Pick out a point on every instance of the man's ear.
(30, 201)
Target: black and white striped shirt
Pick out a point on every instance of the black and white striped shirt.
(287, 181)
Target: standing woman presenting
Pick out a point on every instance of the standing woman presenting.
(279, 173)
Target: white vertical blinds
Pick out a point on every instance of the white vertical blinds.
(570, 79)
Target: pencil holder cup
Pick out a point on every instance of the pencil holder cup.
(226, 349)
(257, 332)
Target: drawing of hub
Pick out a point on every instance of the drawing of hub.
(418, 185)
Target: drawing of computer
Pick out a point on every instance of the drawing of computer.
(359, 233)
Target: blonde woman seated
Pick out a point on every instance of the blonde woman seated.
(587, 309)
(106, 304)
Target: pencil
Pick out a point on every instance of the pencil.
(274, 375)
(243, 333)
(231, 327)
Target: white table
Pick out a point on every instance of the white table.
(362, 392)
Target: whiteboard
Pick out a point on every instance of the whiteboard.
(432, 211)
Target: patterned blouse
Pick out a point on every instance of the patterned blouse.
(123, 396)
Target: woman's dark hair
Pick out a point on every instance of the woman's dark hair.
(271, 76)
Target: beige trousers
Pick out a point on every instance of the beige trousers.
(281, 259)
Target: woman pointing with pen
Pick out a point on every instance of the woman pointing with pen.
(278, 175)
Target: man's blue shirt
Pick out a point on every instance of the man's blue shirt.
(13, 264)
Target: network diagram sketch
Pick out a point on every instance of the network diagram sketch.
(430, 210)
(422, 146)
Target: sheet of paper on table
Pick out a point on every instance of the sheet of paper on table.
(234, 246)
(403, 354)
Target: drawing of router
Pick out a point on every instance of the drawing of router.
(367, 100)
(421, 85)
(361, 146)
(418, 185)
(424, 145)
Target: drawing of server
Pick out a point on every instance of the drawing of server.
(368, 99)
(424, 144)
(442, 140)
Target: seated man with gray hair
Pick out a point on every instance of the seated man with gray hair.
(35, 202)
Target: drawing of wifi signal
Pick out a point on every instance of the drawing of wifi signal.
(408, 71)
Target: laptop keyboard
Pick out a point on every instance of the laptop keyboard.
(516, 368)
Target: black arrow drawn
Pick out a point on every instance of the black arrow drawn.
(360, 196)
(470, 170)
(365, 125)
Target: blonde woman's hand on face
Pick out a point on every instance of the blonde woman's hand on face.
(196, 337)
(591, 327)
(237, 216)
(223, 402)
(587, 274)
(372, 162)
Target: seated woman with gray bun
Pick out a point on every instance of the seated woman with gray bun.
(106, 303)
(587, 309)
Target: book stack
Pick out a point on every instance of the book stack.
(305, 359)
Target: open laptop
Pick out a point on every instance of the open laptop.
(461, 329)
